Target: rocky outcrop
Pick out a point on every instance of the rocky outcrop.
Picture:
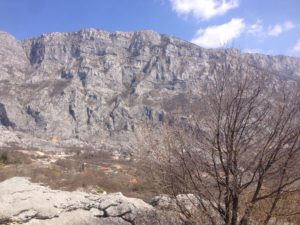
(98, 87)
(23, 202)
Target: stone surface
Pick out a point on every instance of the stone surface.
(23, 202)
(97, 87)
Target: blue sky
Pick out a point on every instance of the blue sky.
(266, 26)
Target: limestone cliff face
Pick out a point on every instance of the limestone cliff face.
(97, 86)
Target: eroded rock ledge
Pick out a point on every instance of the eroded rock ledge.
(23, 202)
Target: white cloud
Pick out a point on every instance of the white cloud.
(279, 28)
(203, 9)
(218, 36)
(275, 30)
(288, 25)
(256, 28)
(260, 31)
(297, 46)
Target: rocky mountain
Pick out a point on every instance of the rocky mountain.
(97, 87)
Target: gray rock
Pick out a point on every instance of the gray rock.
(24, 202)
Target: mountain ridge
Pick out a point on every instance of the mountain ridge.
(98, 87)
(141, 31)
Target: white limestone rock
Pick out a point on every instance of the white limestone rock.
(24, 202)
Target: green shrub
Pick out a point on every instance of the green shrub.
(3, 157)
(100, 190)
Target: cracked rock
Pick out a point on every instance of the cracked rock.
(23, 202)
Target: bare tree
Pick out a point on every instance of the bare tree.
(240, 151)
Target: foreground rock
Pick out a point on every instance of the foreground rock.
(23, 202)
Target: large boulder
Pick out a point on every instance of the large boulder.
(23, 202)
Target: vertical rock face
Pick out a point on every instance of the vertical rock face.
(13, 60)
(98, 86)
(3, 117)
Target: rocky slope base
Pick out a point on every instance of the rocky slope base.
(97, 87)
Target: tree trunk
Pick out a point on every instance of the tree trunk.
(235, 209)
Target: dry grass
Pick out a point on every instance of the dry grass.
(100, 173)
(8, 157)
(288, 210)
